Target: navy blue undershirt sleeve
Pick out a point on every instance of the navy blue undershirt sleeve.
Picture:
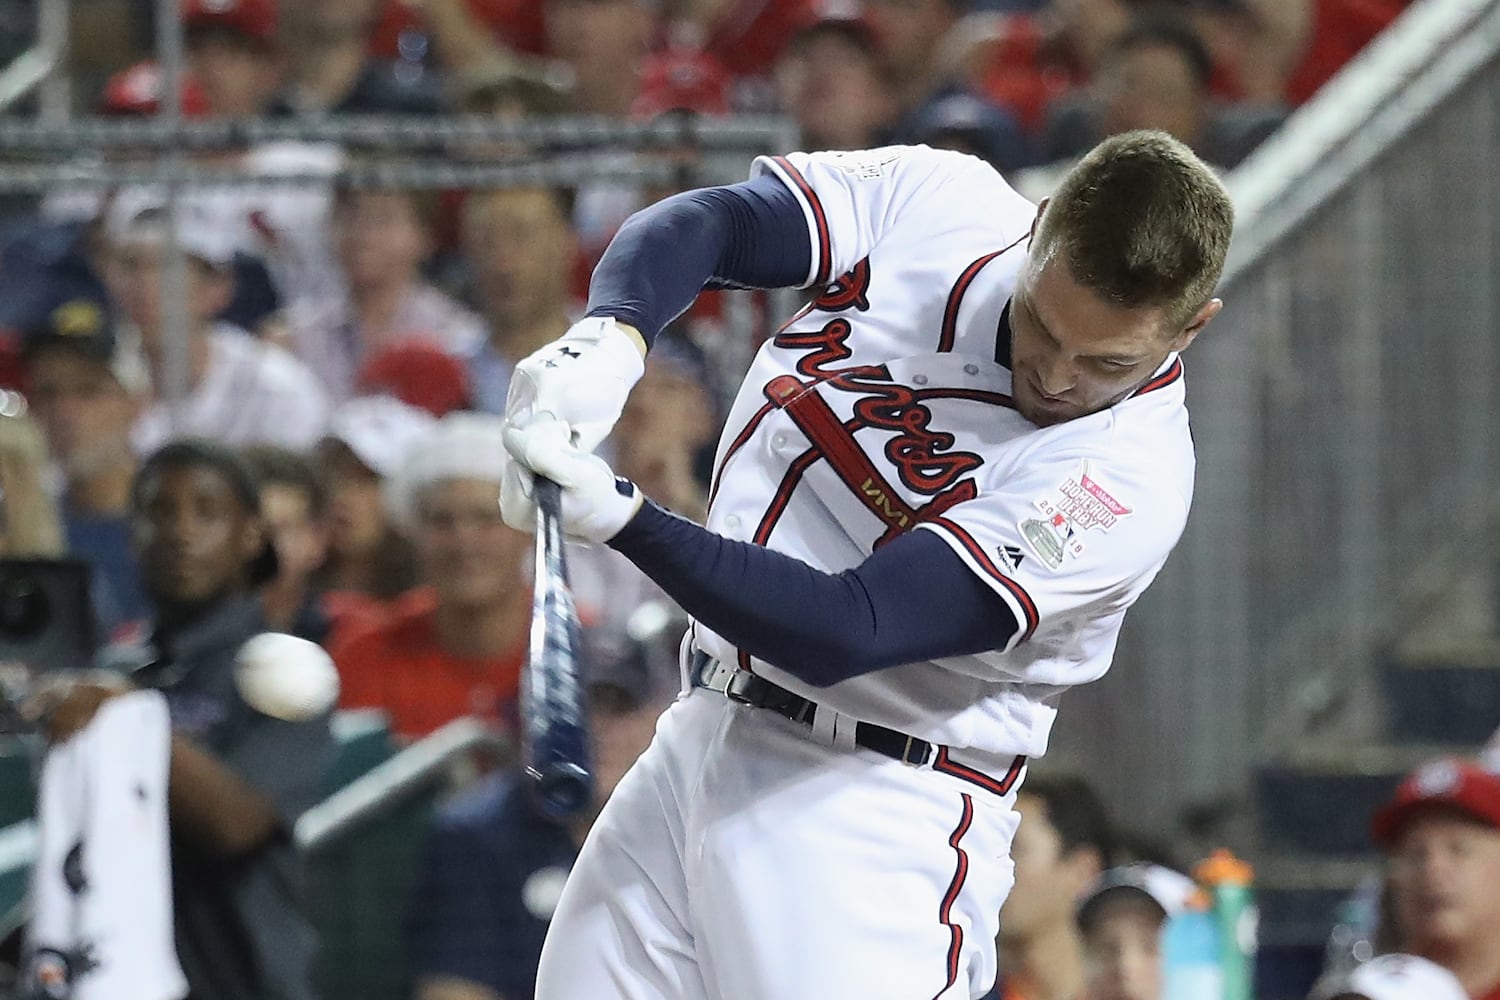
(747, 235)
(913, 600)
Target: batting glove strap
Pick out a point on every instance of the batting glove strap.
(596, 503)
(580, 379)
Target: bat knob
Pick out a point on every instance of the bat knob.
(563, 791)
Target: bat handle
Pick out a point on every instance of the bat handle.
(548, 497)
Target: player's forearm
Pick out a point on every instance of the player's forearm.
(913, 600)
(749, 235)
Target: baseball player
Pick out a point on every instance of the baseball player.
(939, 489)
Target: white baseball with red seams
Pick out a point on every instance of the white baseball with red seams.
(881, 408)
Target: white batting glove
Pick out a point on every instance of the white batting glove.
(596, 503)
(580, 379)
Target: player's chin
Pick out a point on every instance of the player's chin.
(1041, 414)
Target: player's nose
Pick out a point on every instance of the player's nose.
(1055, 376)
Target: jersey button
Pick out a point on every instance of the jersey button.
(919, 380)
(778, 441)
(732, 522)
(971, 369)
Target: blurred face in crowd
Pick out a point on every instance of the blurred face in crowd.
(1445, 885)
(83, 409)
(300, 535)
(1049, 878)
(356, 511)
(604, 43)
(1122, 949)
(237, 75)
(910, 32)
(468, 554)
(327, 20)
(667, 418)
(133, 272)
(521, 246)
(381, 238)
(1090, 26)
(195, 537)
(1152, 86)
(1073, 352)
(833, 87)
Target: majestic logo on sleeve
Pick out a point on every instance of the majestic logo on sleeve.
(1080, 503)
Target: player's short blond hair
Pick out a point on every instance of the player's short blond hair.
(1143, 222)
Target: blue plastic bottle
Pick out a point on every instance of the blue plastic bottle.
(1190, 956)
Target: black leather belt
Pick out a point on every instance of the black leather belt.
(757, 692)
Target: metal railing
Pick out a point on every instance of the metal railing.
(1345, 416)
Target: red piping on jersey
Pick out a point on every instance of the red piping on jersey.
(783, 494)
(825, 243)
(960, 288)
(1033, 618)
(1166, 378)
(945, 910)
(1001, 787)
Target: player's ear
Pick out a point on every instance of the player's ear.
(1195, 325)
(1036, 220)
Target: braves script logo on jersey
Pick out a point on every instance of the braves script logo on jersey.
(1079, 504)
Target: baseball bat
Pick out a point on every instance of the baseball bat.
(554, 729)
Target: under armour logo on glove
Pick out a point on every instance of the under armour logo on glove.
(566, 352)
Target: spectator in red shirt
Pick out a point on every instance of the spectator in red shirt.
(1441, 836)
(454, 646)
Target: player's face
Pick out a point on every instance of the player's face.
(1123, 951)
(1074, 352)
(1445, 884)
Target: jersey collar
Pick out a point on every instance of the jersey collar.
(1003, 337)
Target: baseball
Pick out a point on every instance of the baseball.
(286, 677)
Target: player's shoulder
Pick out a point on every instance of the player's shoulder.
(911, 165)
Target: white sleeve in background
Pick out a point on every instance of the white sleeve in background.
(102, 884)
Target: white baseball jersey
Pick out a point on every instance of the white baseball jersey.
(884, 407)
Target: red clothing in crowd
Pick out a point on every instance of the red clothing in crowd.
(392, 661)
(1340, 29)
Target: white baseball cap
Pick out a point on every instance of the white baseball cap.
(1170, 891)
(1392, 977)
(462, 445)
(139, 216)
(380, 430)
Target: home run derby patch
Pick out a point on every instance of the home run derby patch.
(1078, 504)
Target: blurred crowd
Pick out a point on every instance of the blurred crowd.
(345, 349)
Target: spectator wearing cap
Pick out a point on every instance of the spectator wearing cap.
(85, 395)
(294, 506)
(382, 237)
(454, 646)
(245, 760)
(232, 53)
(239, 390)
(521, 246)
(419, 375)
(832, 82)
(970, 124)
(368, 440)
(1441, 837)
(1391, 977)
(493, 866)
(1063, 844)
(329, 69)
(1121, 918)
